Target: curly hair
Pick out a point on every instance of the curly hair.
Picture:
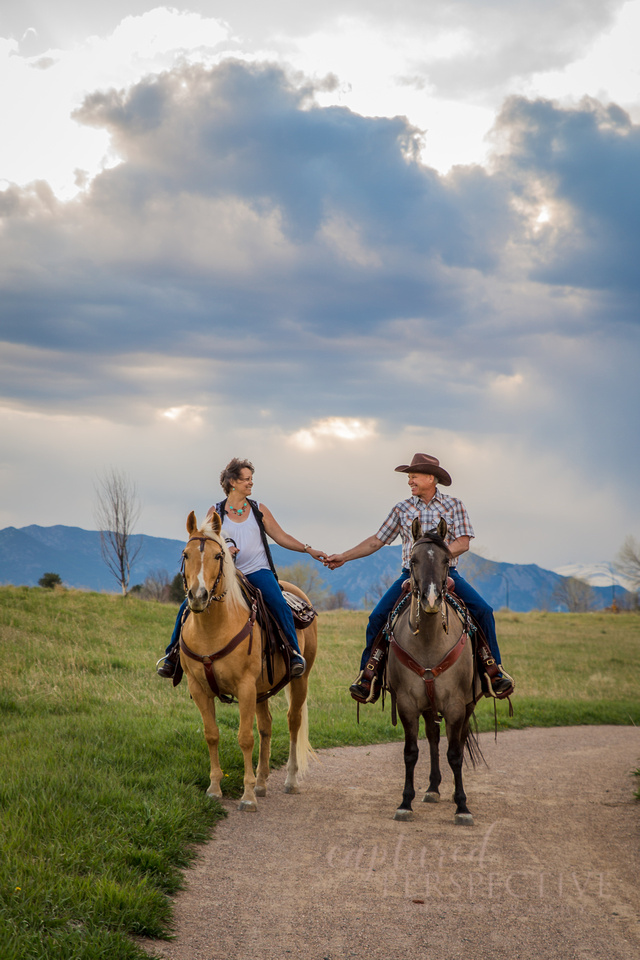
(232, 472)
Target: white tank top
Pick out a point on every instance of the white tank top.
(251, 554)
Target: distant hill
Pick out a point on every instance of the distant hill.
(29, 552)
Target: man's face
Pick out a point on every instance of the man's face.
(422, 485)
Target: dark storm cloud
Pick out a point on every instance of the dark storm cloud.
(586, 162)
(308, 251)
(239, 201)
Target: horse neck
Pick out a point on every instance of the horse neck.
(431, 633)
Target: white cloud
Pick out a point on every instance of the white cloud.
(345, 429)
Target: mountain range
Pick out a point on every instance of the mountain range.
(26, 553)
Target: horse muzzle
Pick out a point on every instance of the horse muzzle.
(198, 600)
(429, 600)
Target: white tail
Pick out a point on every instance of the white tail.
(304, 750)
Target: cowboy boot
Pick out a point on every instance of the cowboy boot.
(166, 666)
(367, 686)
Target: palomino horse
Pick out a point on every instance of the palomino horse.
(224, 637)
(430, 672)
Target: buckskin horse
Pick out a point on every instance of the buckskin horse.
(222, 654)
(430, 672)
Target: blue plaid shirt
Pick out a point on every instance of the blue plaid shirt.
(441, 506)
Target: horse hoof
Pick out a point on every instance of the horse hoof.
(291, 788)
(215, 794)
(431, 797)
(248, 806)
(464, 819)
(403, 815)
(260, 791)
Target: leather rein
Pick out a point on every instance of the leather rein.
(247, 630)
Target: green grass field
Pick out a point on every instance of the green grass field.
(104, 765)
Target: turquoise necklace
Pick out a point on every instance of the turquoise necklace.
(238, 510)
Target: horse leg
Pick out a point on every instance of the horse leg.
(410, 724)
(297, 696)
(264, 731)
(247, 708)
(432, 728)
(207, 707)
(456, 734)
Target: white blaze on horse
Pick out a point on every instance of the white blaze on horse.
(431, 673)
(224, 640)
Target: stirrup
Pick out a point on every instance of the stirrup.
(504, 690)
(365, 690)
(164, 665)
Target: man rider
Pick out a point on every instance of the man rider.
(429, 505)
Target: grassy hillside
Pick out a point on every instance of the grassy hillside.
(104, 765)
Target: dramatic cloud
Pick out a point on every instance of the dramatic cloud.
(260, 271)
(582, 168)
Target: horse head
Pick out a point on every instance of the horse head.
(429, 566)
(205, 560)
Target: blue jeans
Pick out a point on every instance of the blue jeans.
(265, 581)
(478, 608)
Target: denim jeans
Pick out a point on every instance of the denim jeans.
(478, 608)
(265, 581)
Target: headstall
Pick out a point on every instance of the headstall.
(219, 557)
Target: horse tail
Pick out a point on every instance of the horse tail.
(304, 750)
(472, 743)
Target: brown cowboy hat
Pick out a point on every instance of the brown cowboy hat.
(423, 463)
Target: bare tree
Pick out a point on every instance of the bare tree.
(627, 562)
(308, 579)
(157, 586)
(337, 601)
(377, 590)
(575, 594)
(116, 514)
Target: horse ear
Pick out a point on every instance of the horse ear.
(416, 529)
(214, 521)
(442, 528)
(192, 524)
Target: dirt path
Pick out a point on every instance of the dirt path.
(550, 871)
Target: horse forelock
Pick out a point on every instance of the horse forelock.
(433, 537)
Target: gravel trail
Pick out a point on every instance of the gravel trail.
(549, 871)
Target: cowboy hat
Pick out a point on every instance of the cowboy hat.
(423, 463)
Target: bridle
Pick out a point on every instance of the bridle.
(212, 595)
(417, 593)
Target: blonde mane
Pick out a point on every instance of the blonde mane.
(234, 592)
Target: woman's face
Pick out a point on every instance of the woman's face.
(244, 482)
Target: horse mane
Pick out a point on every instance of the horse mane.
(232, 583)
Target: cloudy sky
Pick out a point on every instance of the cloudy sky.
(324, 239)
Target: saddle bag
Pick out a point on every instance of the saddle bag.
(303, 612)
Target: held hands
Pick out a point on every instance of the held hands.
(319, 555)
(334, 561)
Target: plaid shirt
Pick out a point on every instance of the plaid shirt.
(404, 513)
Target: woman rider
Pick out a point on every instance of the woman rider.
(245, 526)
